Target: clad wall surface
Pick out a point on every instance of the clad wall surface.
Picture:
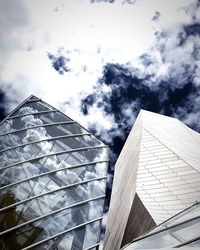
(168, 178)
(123, 190)
(160, 161)
(52, 180)
(137, 225)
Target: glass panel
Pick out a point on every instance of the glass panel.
(188, 230)
(51, 202)
(171, 237)
(50, 163)
(28, 121)
(194, 244)
(40, 133)
(31, 107)
(63, 129)
(183, 216)
(81, 238)
(61, 221)
(51, 181)
(43, 148)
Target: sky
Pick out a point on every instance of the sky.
(101, 61)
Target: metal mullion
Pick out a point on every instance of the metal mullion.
(54, 108)
(187, 242)
(89, 248)
(53, 171)
(37, 126)
(51, 213)
(46, 139)
(41, 102)
(79, 125)
(61, 233)
(164, 229)
(52, 191)
(174, 216)
(15, 109)
(32, 189)
(34, 113)
(33, 100)
(55, 153)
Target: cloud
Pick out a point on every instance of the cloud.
(110, 67)
(13, 18)
(13, 21)
(59, 63)
(156, 16)
(164, 79)
(113, 1)
(100, 1)
(2, 105)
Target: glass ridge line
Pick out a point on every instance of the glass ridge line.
(89, 248)
(34, 100)
(179, 213)
(55, 153)
(163, 229)
(51, 191)
(37, 126)
(15, 109)
(52, 171)
(46, 139)
(53, 109)
(51, 213)
(34, 113)
(61, 233)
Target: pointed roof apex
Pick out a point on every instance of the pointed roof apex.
(147, 113)
(32, 97)
(173, 134)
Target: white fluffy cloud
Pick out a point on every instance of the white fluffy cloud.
(89, 34)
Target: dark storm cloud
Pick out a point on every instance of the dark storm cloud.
(188, 31)
(129, 90)
(165, 81)
(88, 101)
(2, 105)
(59, 63)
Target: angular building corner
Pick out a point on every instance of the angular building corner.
(179, 231)
(52, 180)
(157, 175)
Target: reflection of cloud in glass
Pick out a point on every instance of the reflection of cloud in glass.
(58, 176)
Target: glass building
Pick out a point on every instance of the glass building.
(52, 180)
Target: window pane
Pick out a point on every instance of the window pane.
(81, 238)
(50, 163)
(61, 221)
(28, 121)
(31, 107)
(53, 201)
(50, 182)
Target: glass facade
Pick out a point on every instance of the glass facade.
(52, 180)
(182, 230)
